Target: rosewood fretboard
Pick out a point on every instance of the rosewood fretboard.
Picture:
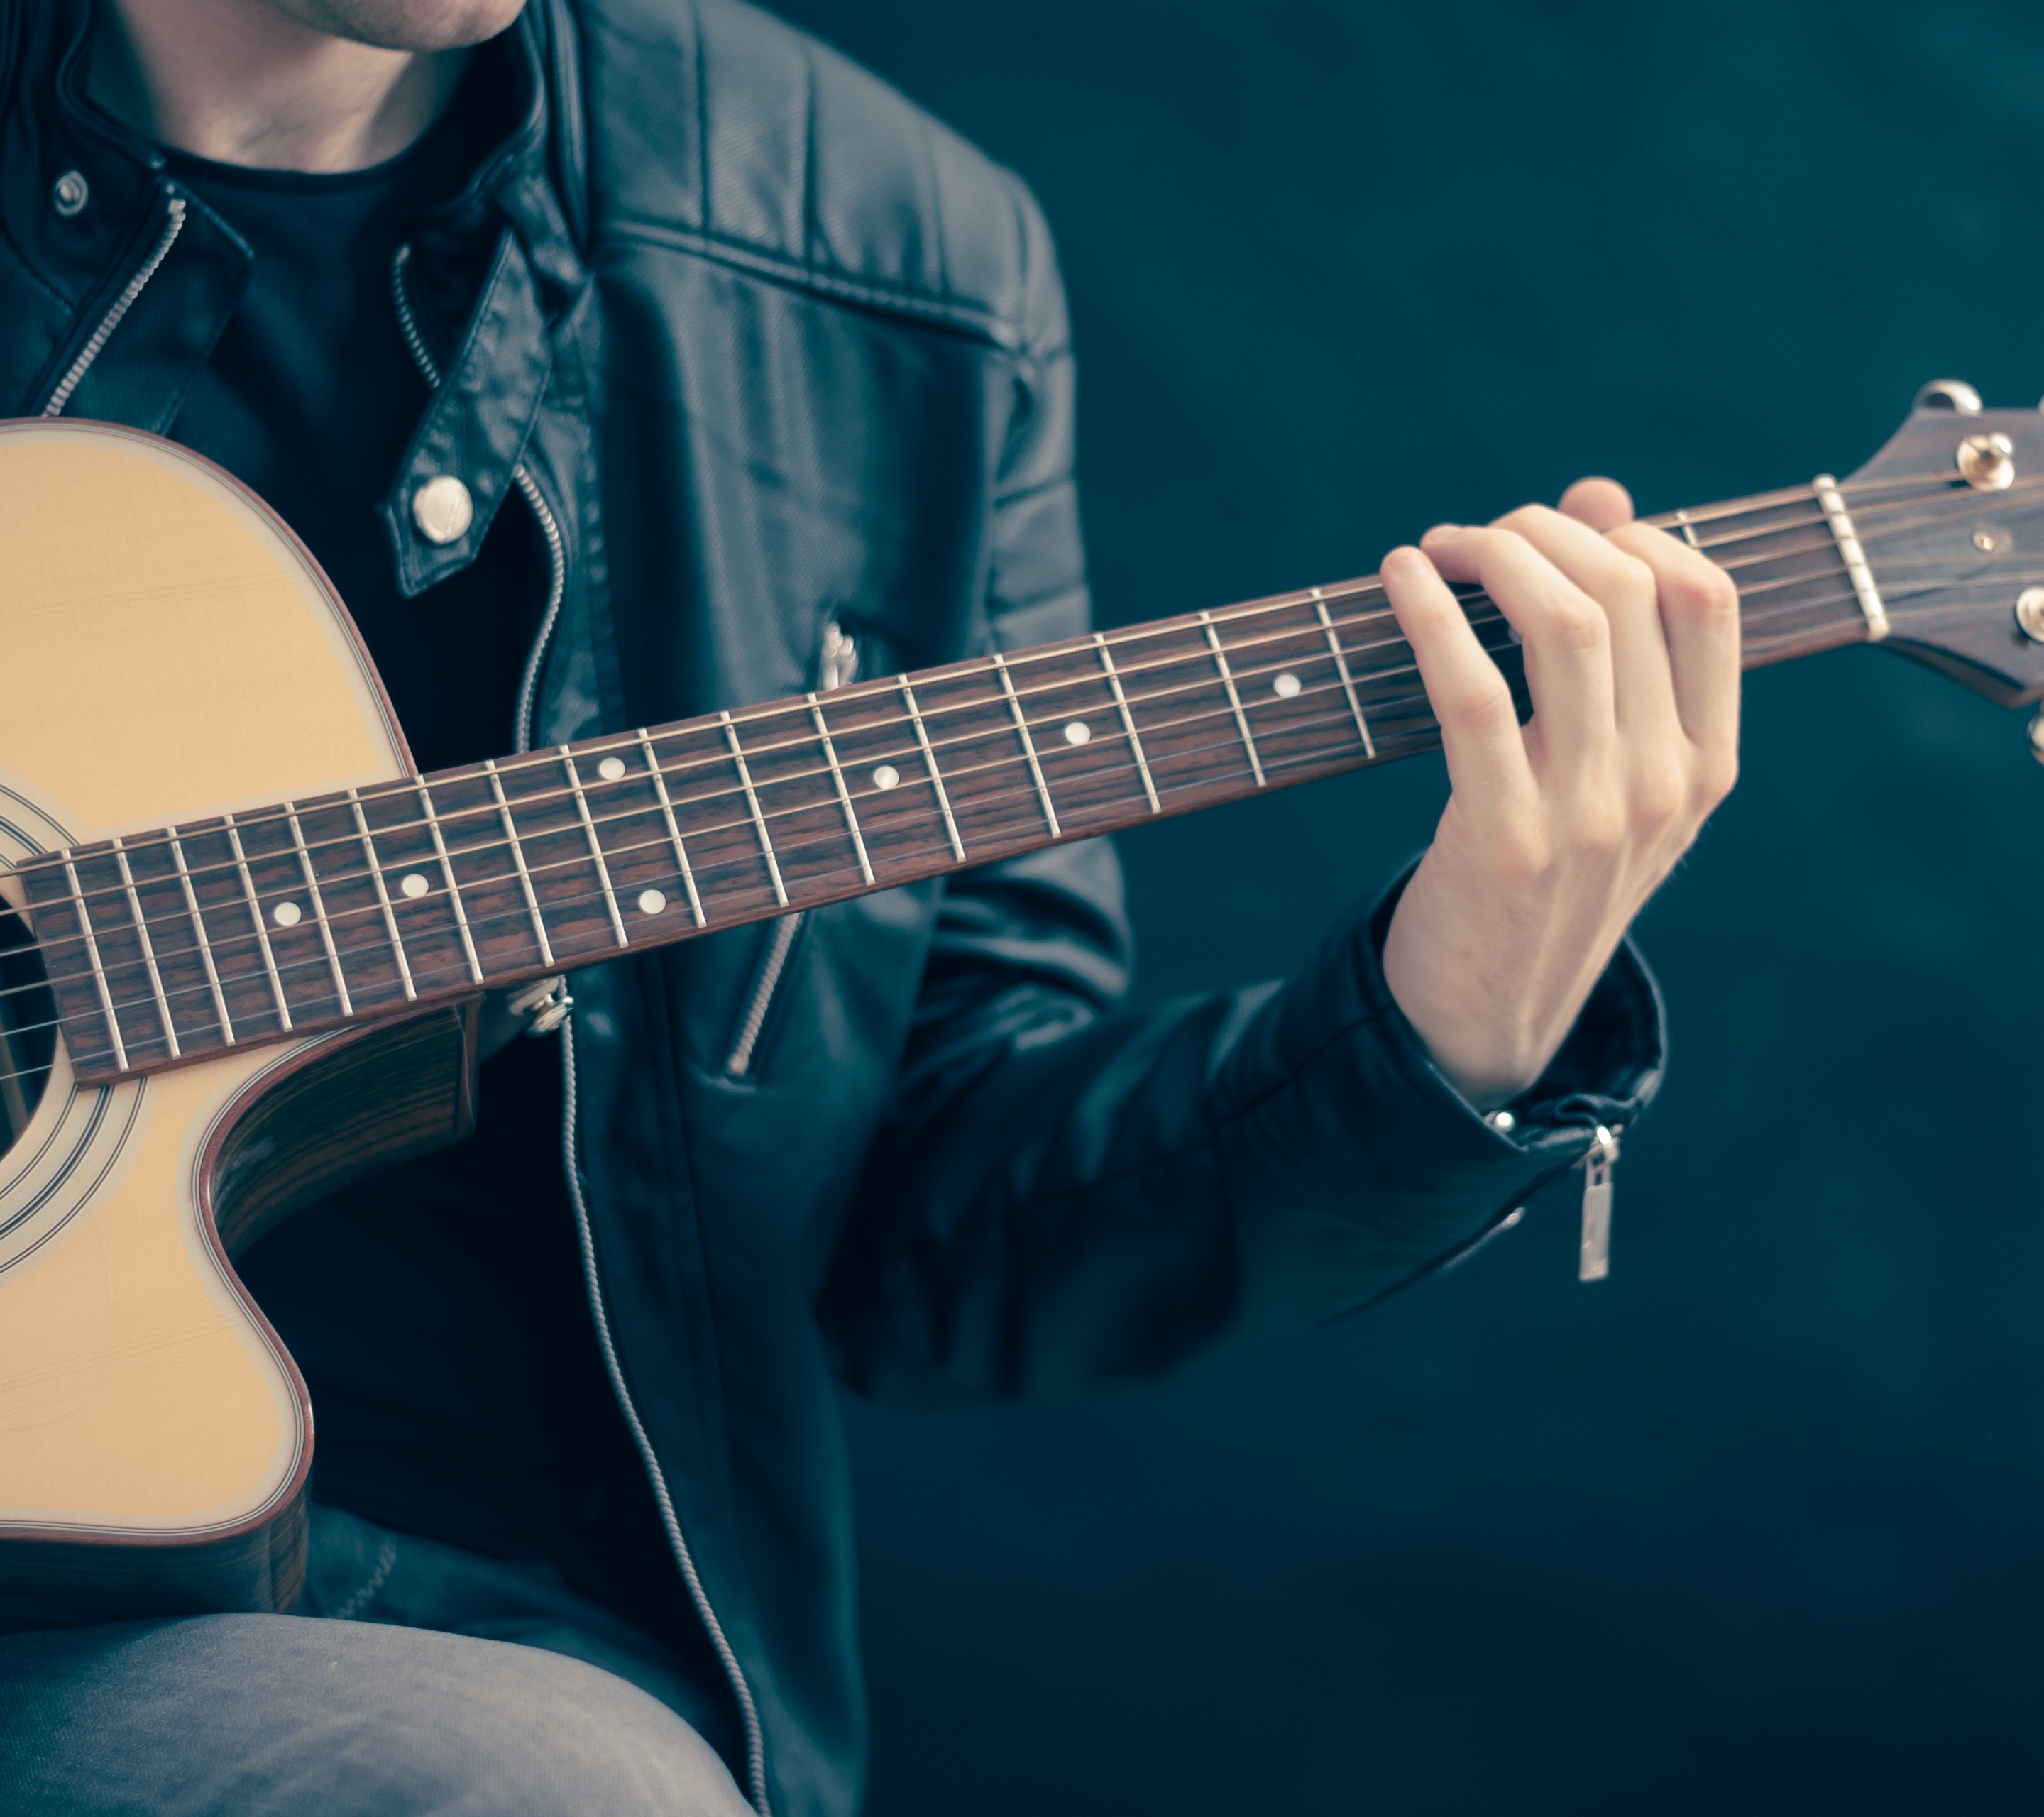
(176, 944)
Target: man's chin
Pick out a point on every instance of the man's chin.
(405, 25)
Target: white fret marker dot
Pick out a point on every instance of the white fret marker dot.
(287, 914)
(886, 776)
(650, 902)
(413, 885)
(1078, 733)
(1285, 685)
(612, 769)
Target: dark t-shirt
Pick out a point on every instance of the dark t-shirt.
(438, 1310)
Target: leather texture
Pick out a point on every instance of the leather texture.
(778, 350)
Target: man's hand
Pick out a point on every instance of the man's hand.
(1558, 832)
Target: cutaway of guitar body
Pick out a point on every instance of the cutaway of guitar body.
(168, 651)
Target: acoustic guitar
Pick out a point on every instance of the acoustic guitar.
(248, 943)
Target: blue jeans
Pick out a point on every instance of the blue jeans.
(438, 1682)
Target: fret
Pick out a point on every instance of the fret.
(447, 870)
(148, 947)
(319, 909)
(752, 801)
(1127, 723)
(383, 896)
(256, 918)
(844, 793)
(1028, 745)
(1347, 681)
(1688, 530)
(1234, 699)
(595, 847)
(518, 860)
(84, 913)
(930, 763)
(674, 831)
(204, 945)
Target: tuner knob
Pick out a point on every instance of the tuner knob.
(1951, 394)
(2037, 737)
(2030, 612)
(1987, 462)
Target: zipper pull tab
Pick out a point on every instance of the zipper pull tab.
(1596, 1253)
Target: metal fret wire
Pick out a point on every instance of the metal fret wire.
(1797, 499)
(1787, 499)
(1393, 704)
(1397, 703)
(843, 794)
(319, 911)
(1063, 684)
(518, 858)
(256, 919)
(1206, 779)
(149, 949)
(595, 850)
(204, 945)
(383, 896)
(447, 870)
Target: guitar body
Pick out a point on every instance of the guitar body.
(167, 650)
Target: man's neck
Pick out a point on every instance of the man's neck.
(240, 82)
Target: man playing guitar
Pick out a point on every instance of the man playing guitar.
(618, 360)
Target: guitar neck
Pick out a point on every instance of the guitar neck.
(174, 945)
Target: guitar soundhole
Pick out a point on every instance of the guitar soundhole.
(28, 1028)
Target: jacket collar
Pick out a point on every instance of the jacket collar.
(495, 264)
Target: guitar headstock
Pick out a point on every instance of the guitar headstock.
(1949, 516)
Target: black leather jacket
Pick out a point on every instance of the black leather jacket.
(764, 350)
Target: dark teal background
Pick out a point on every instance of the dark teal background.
(1759, 1525)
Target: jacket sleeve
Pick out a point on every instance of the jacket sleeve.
(1067, 1193)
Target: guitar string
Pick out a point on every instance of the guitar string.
(177, 913)
(1382, 710)
(1379, 708)
(487, 812)
(1204, 683)
(974, 669)
(232, 945)
(454, 972)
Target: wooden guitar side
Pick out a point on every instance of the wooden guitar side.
(170, 651)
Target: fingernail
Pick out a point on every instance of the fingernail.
(1403, 561)
(1440, 530)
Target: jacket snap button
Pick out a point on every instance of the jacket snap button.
(443, 509)
(71, 193)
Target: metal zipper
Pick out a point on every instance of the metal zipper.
(599, 1306)
(1594, 1258)
(756, 1747)
(837, 664)
(528, 683)
(557, 568)
(122, 304)
(779, 944)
